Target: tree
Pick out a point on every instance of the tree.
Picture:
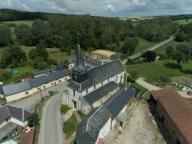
(33, 120)
(38, 31)
(181, 37)
(183, 53)
(39, 53)
(5, 36)
(150, 56)
(169, 51)
(23, 34)
(13, 56)
(129, 45)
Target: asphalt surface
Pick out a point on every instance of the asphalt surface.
(51, 123)
(152, 48)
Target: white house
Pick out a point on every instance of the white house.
(112, 115)
(40, 82)
(14, 115)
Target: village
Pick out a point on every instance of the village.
(98, 104)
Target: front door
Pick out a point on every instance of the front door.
(75, 104)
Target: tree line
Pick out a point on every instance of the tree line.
(91, 32)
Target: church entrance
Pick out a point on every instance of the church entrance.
(75, 104)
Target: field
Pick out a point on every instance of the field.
(183, 22)
(27, 22)
(166, 68)
(143, 45)
(162, 50)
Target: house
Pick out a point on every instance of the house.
(14, 115)
(173, 114)
(111, 115)
(13, 92)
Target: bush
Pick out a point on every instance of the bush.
(64, 109)
(70, 126)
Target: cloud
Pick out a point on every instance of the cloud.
(103, 7)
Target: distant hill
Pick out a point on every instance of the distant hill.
(9, 15)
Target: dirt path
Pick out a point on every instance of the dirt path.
(141, 129)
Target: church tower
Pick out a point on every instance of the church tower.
(79, 72)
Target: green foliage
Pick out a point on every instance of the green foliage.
(169, 51)
(23, 34)
(181, 37)
(70, 126)
(33, 120)
(3, 101)
(5, 36)
(183, 53)
(13, 56)
(4, 75)
(129, 45)
(64, 109)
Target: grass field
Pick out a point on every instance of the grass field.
(143, 45)
(24, 70)
(70, 126)
(172, 43)
(165, 68)
(183, 22)
(18, 22)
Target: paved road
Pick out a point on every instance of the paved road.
(146, 85)
(51, 124)
(152, 48)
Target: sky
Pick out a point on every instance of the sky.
(111, 8)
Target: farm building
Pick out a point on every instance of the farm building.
(41, 81)
(112, 115)
(173, 114)
(14, 115)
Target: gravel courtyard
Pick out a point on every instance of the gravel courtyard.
(140, 129)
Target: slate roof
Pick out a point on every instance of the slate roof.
(8, 111)
(92, 62)
(100, 92)
(88, 130)
(11, 89)
(116, 103)
(98, 74)
(4, 114)
(45, 71)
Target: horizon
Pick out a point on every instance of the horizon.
(108, 8)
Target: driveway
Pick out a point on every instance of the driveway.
(146, 85)
(51, 122)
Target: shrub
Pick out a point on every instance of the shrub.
(64, 109)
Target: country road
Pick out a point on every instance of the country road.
(51, 124)
(152, 48)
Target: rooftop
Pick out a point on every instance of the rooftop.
(98, 74)
(178, 108)
(100, 92)
(89, 128)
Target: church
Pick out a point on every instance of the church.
(89, 86)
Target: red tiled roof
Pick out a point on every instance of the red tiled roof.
(28, 138)
(178, 108)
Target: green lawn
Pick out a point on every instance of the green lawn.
(138, 87)
(183, 22)
(70, 126)
(165, 68)
(143, 45)
(172, 43)
(24, 70)
(18, 22)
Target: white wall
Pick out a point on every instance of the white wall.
(21, 95)
(20, 123)
(105, 130)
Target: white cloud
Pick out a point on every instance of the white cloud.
(103, 7)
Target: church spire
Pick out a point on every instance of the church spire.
(78, 57)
